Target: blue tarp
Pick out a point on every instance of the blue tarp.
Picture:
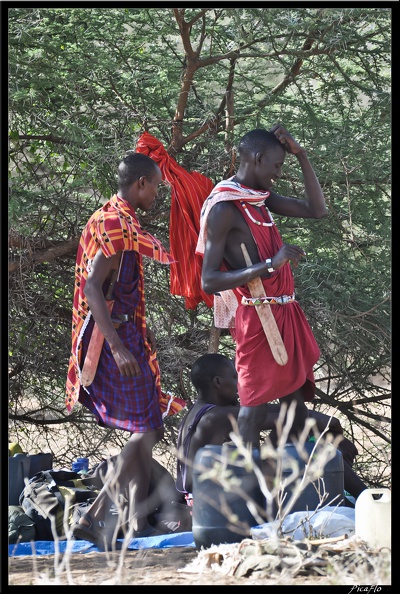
(42, 547)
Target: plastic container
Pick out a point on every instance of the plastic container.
(18, 470)
(332, 474)
(373, 518)
(41, 461)
(220, 515)
(23, 466)
(81, 465)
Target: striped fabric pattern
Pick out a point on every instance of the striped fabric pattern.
(132, 404)
(226, 302)
(224, 191)
(116, 227)
(111, 228)
(188, 192)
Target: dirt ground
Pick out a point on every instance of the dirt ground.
(242, 564)
(147, 567)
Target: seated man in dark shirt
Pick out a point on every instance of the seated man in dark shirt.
(211, 417)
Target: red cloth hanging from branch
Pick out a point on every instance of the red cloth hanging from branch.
(188, 192)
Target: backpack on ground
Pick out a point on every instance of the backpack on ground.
(20, 527)
(52, 499)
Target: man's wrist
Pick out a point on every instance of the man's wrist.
(302, 155)
(270, 268)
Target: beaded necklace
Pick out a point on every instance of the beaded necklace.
(264, 224)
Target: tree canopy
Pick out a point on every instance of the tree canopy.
(85, 83)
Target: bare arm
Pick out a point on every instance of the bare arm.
(313, 205)
(213, 428)
(100, 271)
(222, 225)
(224, 236)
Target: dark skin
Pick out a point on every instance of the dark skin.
(217, 424)
(135, 459)
(141, 195)
(227, 230)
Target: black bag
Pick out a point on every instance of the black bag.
(51, 497)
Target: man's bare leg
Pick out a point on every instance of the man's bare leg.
(300, 416)
(133, 466)
(251, 420)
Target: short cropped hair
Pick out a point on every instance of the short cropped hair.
(134, 166)
(257, 141)
(206, 367)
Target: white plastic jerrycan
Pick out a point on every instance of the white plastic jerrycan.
(373, 518)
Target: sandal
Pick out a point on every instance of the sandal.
(95, 533)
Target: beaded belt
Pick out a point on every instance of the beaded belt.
(271, 300)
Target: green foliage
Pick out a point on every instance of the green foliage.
(85, 82)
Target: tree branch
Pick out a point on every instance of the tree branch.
(47, 255)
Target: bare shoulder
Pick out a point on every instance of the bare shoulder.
(220, 416)
(224, 215)
(215, 426)
(223, 208)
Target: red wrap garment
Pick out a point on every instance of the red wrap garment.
(260, 378)
(188, 192)
(114, 227)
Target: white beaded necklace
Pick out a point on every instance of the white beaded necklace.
(264, 224)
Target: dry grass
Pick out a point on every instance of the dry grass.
(316, 559)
